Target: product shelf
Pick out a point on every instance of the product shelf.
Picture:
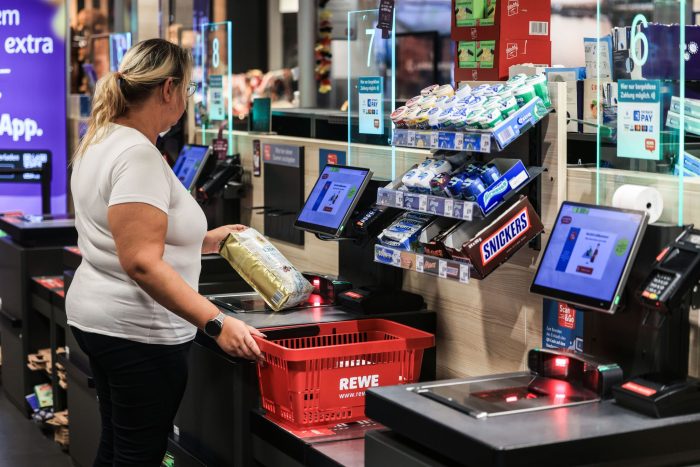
(485, 141)
(468, 250)
(453, 208)
(425, 264)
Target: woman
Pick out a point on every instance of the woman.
(133, 305)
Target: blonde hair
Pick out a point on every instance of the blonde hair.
(144, 67)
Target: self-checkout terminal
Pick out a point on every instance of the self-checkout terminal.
(341, 208)
(642, 280)
(588, 264)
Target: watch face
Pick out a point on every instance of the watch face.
(213, 328)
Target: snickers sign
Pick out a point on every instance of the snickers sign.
(508, 234)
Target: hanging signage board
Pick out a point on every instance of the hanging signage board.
(33, 96)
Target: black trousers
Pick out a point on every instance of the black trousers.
(139, 387)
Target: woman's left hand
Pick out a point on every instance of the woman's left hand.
(214, 237)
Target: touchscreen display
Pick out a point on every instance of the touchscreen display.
(588, 251)
(188, 164)
(333, 197)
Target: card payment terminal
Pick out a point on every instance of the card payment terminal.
(676, 272)
(668, 289)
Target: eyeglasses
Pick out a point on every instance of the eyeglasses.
(191, 88)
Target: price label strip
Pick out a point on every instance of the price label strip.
(442, 269)
(449, 207)
(464, 272)
(468, 211)
(423, 203)
(419, 263)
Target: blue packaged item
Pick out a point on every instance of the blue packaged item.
(433, 118)
(418, 216)
(400, 236)
(441, 167)
(490, 174)
(472, 169)
(454, 188)
(425, 164)
(472, 188)
(422, 184)
(475, 102)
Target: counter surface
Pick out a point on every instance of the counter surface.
(592, 433)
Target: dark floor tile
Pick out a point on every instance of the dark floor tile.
(22, 444)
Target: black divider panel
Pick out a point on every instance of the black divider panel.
(284, 191)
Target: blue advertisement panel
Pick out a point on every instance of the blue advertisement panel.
(33, 96)
(562, 326)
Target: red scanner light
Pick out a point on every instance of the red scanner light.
(317, 283)
(561, 362)
(639, 389)
(512, 399)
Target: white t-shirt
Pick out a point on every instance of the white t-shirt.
(125, 167)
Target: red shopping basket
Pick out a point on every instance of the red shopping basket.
(317, 375)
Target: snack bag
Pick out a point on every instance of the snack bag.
(265, 269)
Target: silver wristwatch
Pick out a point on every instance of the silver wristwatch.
(215, 325)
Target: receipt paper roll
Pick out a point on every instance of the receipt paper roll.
(640, 198)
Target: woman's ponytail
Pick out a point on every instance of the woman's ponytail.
(107, 104)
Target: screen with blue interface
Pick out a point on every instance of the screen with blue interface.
(188, 164)
(588, 251)
(333, 197)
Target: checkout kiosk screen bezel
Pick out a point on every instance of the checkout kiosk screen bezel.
(334, 230)
(605, 305)
(184, 155)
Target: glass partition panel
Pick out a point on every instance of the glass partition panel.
(215, 110)
(371, 93)
(633, 102)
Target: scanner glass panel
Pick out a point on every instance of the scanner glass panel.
(508, 394)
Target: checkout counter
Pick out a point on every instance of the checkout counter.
(631, 404)
(219, 421)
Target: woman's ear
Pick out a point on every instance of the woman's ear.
(168, 90)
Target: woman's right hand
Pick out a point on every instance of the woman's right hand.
(236, 339)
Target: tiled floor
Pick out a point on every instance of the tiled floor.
(22, 444)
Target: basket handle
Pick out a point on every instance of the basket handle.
(288, 332)
(414, 338)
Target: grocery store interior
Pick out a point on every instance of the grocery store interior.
(349, 233)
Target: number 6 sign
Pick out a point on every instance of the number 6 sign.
(639, 36)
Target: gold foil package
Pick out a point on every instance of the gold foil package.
(265, 269)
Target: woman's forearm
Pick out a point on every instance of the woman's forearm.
(169, 289)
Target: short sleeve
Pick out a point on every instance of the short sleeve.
(140, 175)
